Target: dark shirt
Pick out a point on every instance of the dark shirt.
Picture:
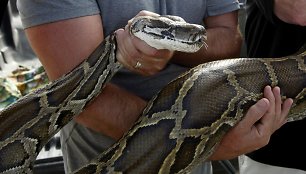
(267, 36)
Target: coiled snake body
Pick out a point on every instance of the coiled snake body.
(180, 126)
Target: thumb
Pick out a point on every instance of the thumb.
(256, 112)
(120, 34)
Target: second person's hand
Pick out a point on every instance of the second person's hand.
(255, 129)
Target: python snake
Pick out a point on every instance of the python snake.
(180, 126)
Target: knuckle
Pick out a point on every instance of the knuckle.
(142, 13)
(159, 68)
(155, 69)
(148, 71)
(254, 110)
(264, 140)
(167, 54)
(153, 52)
(133, 54)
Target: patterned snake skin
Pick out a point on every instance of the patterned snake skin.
(180, 126)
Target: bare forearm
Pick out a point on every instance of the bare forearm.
(63, 45)
(113, 112)
(222, 43)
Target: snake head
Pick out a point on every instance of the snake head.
(169, 32)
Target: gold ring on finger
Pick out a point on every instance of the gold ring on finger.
(137, 65)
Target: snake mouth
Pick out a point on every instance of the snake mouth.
(190, 38)
(188, 34)
(197, 38)
(193, 37)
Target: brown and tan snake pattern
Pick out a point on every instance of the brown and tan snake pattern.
(180, 126)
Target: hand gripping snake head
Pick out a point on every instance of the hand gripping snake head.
(169, 32)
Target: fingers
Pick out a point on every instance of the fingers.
(266, 122)
(264, 118)
(273, 118)
(242, 138)
(148, 50)
(278, 111)
(279, 118)
(278, 103)
(269, 94)
(125, 48)
(147, 13)
(255, 129)
(286, 108)
(256, 112)
(281, 109)
(143, 13)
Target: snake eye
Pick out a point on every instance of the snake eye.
(167, 33)
(201, 40)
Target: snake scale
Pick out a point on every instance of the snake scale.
(180, 126)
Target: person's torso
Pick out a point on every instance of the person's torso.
(267, 39)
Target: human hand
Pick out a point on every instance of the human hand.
(138, 56)
(255, 129)
(291, 11)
